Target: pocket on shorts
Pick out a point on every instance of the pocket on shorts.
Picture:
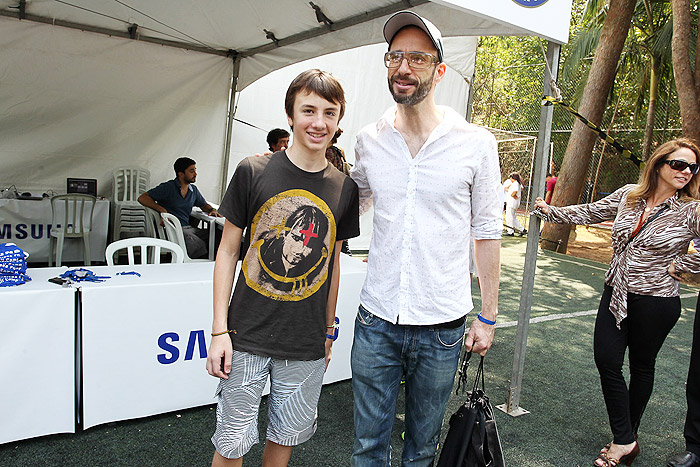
(450, 337)
(365, 318)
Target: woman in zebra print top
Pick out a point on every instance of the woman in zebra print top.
(654, 223)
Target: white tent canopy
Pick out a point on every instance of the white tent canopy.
(106, 83)
(90, 85)
(271, 34)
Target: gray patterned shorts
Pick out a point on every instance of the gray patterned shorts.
(294, 391)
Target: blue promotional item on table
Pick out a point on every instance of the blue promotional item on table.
(83, 275)
(13, 265)
(128, 273)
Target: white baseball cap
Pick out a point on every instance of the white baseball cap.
(409, 18)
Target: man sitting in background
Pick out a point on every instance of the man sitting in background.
(278, 139)
(177, 197)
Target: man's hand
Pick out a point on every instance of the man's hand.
(219, 348)
(479, 337)
(329, 348)
(214, 213)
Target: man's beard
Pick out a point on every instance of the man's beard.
(418, 95)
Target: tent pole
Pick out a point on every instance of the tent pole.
(512, 405)
(470, 95)
(229, 126)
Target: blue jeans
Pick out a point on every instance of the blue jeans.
(382, 353)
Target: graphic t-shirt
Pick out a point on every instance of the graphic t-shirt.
(293, 219)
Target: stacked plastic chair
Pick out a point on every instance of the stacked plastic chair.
(13, 265)
(129, 215)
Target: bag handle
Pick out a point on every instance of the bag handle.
(479, 373)
(462, 379)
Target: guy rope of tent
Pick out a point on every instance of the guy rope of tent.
(549, 100)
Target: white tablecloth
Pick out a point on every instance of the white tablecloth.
(27, 224)
(37, 358)
(145, 339)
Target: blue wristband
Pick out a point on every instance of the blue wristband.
(485, 321)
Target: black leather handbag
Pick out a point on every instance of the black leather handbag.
(472, 440)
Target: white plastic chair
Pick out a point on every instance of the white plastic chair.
(173, 232)
(154, 228)
(73, 221)
(128, 183)
(144, 244)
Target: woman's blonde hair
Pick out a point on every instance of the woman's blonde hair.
(649, 179)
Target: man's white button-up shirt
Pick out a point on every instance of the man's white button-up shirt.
(427, 208)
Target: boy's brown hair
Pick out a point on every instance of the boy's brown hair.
(318, 82)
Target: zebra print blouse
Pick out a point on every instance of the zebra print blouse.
(641, 267)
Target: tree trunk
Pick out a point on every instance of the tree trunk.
(651, 111)
(687, 82)
(578, 152)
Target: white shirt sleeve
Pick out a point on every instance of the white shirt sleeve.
(357, 173)
(487, 204)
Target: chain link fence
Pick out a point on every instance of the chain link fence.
(508, 99)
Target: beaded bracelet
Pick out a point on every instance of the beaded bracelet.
(485, 321)
(221, 333)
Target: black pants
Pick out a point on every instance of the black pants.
(692, 391)
(648, 322)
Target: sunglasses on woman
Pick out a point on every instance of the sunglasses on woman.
(680, 166)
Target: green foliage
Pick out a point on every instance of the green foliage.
(509, 79)
(508, 69)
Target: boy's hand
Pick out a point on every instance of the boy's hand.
(220, 350)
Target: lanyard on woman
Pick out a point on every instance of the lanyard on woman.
(649, 221)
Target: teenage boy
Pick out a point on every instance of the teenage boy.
(297, 209)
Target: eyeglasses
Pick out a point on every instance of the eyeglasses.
(680, 166)
(416, 60)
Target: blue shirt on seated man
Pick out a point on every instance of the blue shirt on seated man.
(177, 197)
